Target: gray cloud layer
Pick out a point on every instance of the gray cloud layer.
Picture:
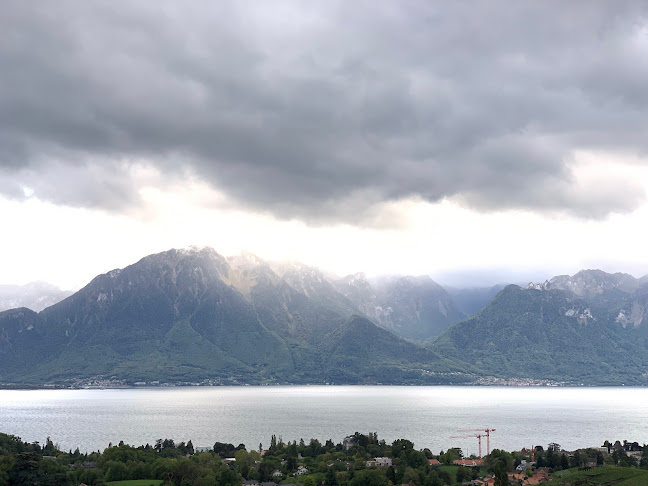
(322, 109)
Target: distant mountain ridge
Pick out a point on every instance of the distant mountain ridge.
(590, 283)
(34, 295)
(473, 299)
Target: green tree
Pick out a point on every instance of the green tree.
(91, 476)
(228, 477)
(309, 481)
(411, 476)
(244, 461)
(461, 474)
(498, 455)
(184, 472)
(627, 461)
(413, 459)
(616, 455)
(450, 456)
(224, 450)
(331, 478)
(52, 473)
(25, 469)
(391, 474)
(369, 477)
(444, 477)
(564, 462)
(265, 470)
(400, 446)
(49, 449)
(551, 458)
(501, 477)
(116, 471)
(314, 448)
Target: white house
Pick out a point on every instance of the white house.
(348, 442)
(380, 462)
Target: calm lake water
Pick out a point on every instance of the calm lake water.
(429, 416)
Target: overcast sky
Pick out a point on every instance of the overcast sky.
(472, 141)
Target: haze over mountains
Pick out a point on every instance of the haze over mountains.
(35, 296)
(194, 315)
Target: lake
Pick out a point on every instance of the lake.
(428, 416)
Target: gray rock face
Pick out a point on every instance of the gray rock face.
(590, 283)
(412, 307)
(615, 298)
(633, 311)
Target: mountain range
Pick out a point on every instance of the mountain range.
(193, 315)
(590, 328)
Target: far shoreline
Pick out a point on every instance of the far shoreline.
(58, 387)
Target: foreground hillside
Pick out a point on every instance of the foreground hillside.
(357, 460)
(605, 476)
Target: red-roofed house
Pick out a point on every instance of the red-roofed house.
(535, 479)
(468, 462)
(487, 481)
(516, 476)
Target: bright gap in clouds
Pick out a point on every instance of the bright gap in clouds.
(69, 246)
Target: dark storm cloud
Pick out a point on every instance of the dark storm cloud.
(322, 110)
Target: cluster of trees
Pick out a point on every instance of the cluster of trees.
(327, 464)
(22, 463)
(344, 464)
(25, 464)
(582, 458)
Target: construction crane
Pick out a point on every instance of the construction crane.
(479, 436)
(487, 432)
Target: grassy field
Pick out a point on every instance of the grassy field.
(136, 482)
(452, 470)
(603, 476)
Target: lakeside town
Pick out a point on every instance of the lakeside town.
(107, 383)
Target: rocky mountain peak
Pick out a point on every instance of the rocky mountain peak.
(589, 283)
(356, 279)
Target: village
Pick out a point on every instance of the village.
(357, 460)
(527, 467)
